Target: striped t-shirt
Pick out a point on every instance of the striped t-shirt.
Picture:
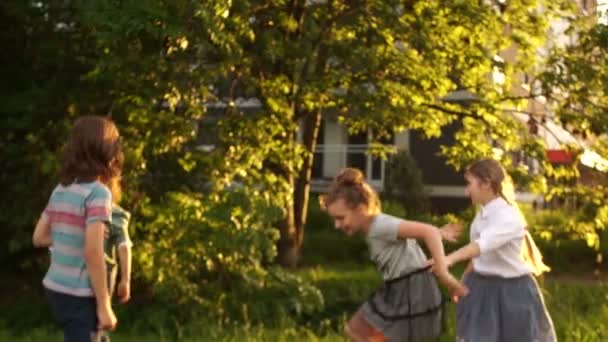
(70, 210)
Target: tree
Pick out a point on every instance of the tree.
(379, 65)
(574, 81)
(40, 66)
(72, 58)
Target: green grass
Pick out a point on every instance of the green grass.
(339, 267)
(579, 309)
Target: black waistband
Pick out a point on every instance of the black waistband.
(407, 275)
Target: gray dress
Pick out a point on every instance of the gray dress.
(409, 305)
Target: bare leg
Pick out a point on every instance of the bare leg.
(359, 330)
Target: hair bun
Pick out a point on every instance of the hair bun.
(350, 176)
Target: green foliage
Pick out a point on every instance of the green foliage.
(575, 79)
(319, 244)
(33, 105)
(379, 65)
(196, 251)
(204, 221)
(131, 60)
(566, 239)
(404, 183)
(578, 310)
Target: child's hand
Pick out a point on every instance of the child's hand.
(455, 288)
(451, 232)
(458, 290)
(106, 232)
(106, 318)
(124, 291)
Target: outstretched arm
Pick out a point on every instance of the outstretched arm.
(467, 252)
(432, 239)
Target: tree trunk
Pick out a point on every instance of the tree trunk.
(288, 246)
(292, 227)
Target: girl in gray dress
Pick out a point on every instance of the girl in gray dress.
(505, 303)
(409, 305)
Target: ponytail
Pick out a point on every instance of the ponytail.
(490, 170)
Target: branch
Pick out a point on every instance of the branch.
(525, 97)
(460, 114)
(529, 114)
(323, 33)
(469, 114)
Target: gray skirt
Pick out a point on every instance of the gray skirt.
(503, 310)
(408, 308)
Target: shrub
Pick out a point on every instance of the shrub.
(214, 254)
(404, 184)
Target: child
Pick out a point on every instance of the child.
(73, 223)
(118, 250)
(409, 306)
(505, 303)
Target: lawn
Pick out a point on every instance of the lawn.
(577, 302)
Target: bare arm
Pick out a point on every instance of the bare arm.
(42, 233)
(467, 269)
(94, 257)
(96, 267)
(124, 256)
(124, 286)
(432, 239)
(466, 252)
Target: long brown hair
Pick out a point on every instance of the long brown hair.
(350, 185)
(93, 152)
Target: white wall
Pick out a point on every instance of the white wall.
(402, 140)
(334, 136)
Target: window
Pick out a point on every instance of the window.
(358, 156)
(356, 151)
(317, 161)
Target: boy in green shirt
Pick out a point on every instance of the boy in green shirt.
(118, 253)
(117, 247)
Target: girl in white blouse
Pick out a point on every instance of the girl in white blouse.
(504, 303)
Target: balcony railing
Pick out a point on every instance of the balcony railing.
(330, 158)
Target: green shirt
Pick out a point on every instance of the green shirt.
(119, 235)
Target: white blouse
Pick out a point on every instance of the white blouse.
(499, 230)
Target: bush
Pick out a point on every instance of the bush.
(564, 238)
(321, 239)
(404, 184)
(212, 255)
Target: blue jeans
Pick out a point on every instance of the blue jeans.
(77, 316)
